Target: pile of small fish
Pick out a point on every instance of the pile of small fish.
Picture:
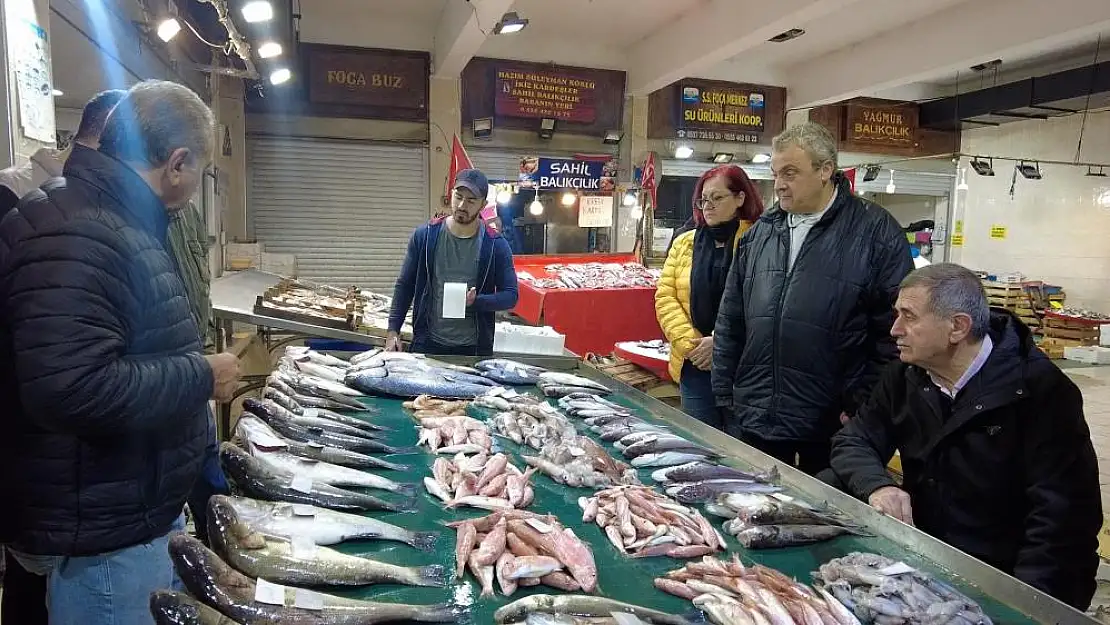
(582, 610)
(520, 548)
(642, 522)
(597, 276)
(703, 482)
(762, 521)
(880, 590)
(504, 371)
(243, 599)
(734, 594)
(480, 481)
(402, 374)
(559, 384)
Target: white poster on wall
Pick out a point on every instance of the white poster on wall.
(595, 211)
(29, 55)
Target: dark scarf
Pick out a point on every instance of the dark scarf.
(707, 275)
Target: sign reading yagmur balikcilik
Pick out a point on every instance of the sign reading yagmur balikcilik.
(565, 173)
(367, 77)
(894, 126)
(716, 112)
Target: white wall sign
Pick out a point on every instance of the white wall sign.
(29, 55)
(595, 211)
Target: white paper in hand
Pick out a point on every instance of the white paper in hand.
(301, 483)
(454, 300)
(265, 592)
(308, 600)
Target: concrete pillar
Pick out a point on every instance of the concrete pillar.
(230, 159)
(444, 120)
(19, 20)
(795, 117)
(634, 149)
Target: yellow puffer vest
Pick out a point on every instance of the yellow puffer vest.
(672, 298)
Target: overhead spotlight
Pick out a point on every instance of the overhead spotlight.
(890, 188)
(504, 196)
(482, 127)
(784, 36)
(168, 29)
(269, 50)
(761, 158)
(57, 93)
(510, 23)
(536, 207)
(1029, 172)
(983, 168)
(547, 128)
(722, 157)
(1097, 172)
(612, 137)
(279, 76)
(630, 199)
(683, 151)
(569, 199)
(871, 173)
(258, 11)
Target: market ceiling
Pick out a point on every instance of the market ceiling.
(887, 48)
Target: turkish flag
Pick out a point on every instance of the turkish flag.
(460, 160)
(647, 178)
(850, 174)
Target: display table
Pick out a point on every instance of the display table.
(593, 320)
(650, 358)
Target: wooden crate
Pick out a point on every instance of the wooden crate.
(626, 371)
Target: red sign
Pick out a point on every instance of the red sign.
(545, 94)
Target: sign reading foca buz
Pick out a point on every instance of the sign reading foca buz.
(883, 125)
(367, 77)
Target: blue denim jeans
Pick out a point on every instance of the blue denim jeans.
(107, 589)
(696, 389)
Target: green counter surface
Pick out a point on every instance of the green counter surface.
(619, 577)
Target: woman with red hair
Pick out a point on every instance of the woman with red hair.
(726, 204)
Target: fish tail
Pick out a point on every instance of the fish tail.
(425, 541)
(408, 490)
(433, 575)
(694, 617)
(391, 466)
(374, 503)
(442, 613)
(409, 449)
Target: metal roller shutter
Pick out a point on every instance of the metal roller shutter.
(345, 208)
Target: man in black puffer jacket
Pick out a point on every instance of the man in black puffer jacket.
(101, 375)
(804, 324)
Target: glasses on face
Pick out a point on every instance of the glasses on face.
(702, 203)
(468, 200)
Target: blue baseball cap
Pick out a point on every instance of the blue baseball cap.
(474, 181)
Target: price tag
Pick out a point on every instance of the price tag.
(311, 413)
(303, 510)
(301, 483)
(897, 569)
(265, 592)
(302, 546)
(308, 600)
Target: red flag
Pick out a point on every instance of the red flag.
(647, 178)
(850, 174)
(460, 160)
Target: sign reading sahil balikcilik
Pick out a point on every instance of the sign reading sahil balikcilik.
(538, 94)
(563, 173)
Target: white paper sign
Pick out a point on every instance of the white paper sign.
(301, 483)
(303, 510)
(311, 413)
(308, 600)
(661, 238)
(265, 592)
(595, 211)
(454, 300)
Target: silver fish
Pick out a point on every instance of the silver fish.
(559, 378)
(708, 490)
(665, 443)
(324, 472)
(313, 451)
(583, 605)
(774, 536)
(400, 383)
(665, 459)
(697, 471)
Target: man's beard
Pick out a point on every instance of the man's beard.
(464, 218)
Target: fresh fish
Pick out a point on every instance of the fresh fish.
(759, 509)
(665, 459)
(581, 605)
(560, 390)
(663, 444)
(312, 417)
(507, 371)
(282, 560)
(330, 401)
(698, 471)
(318, 370)
(175, 608)
(559, 378)
(215, 583)
(708, 490)
(281, 461)
(255, 480)
(773, 536)
(367, 355)
(280, 420)
(255, 428)
(531, 566)
(382, 381)
(590, 398)
(322, 526)
(300, 351)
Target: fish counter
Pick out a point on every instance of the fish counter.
(393, 488)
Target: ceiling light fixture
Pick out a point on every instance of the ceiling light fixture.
(279, 76)
(761, 158)
(983, 168)
(536, 207)
(258, 11)
(1097, 172)
(871, 173)
(782, 37)
(1029, 172)
(57, 93)
(547, 128)
(510, 23)
(722, 157)
(962, 186)
(168, 29)
(683, 151)
(269, 50)
(482, 127)
(612, 137)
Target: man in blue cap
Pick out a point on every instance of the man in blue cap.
(456, 249)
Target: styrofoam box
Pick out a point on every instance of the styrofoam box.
(512, 339)
(1104, 335)
(284, 265)
(1090, 355)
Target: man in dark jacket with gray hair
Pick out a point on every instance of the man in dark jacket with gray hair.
(996, 455)
(804, 325)
(101, 373)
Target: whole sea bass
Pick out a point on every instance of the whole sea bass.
(255, 480)
(211, 580)
(314, 451)
(401, 381)
(175, 608)
(322, 526)
(284, 561)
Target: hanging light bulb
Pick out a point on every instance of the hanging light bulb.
(630, 199)
(963, 180)
(568, 199)
(536, 207)
(504, 196)
(637, 212)
(890, 185)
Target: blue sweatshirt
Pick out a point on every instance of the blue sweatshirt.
(496, 280)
